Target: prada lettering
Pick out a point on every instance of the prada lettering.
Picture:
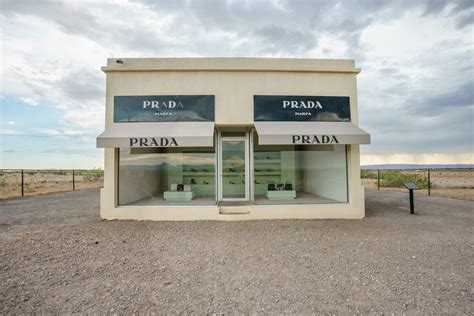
(153, 142)
(164, 104)
(315, 139)
(302, 105)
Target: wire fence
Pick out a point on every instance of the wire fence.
(27, 182)
(451, 183)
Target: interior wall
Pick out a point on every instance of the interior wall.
(138, 182)
(326, 173)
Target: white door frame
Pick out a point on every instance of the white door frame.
(246, 166)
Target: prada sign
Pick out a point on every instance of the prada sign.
(314, 139)
(163, 108)
(301, 108)
(153, 142)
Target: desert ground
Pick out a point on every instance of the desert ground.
(44, 182)
(57, 256)
(445, 183)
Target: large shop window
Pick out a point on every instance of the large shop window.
(298, 174)
(166, 176)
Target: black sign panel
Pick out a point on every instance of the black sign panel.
(301, 108)
(163, 108)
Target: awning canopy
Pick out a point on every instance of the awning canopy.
(310, 133)
(162, 134)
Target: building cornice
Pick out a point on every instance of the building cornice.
(231, 64)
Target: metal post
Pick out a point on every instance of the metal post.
(73, 181)
(22, 183)
(429, 181)
(412, 203)
(378, 179)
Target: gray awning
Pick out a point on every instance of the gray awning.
(310, 133)
(162, 134)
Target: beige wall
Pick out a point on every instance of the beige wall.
(136, 183)
(233, 91)
(234, 82)
(326, 173)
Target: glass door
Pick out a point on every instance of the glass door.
(233, 169)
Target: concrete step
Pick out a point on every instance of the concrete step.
(234, 209)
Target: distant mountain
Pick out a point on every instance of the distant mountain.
(420, 166)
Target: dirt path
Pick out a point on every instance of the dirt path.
(57, 256)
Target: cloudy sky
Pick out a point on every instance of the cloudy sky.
(415, 89)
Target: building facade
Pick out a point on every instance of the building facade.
(231, 139)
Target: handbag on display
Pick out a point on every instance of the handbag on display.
(174, 187)
(187, 188)
(271, 186)
(288, 186)
(180, 187)
(280, 187)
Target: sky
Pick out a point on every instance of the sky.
(415, 91)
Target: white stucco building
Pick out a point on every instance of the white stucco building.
(231, 139)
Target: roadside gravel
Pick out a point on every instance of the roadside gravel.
(57, 256)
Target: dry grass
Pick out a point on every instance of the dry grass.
(44, 182)
(458, 184)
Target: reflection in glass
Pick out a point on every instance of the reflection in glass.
(167, 176)
(293, 174)
(233, 169)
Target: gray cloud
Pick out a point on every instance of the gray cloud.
(407, 105)
(287, 27)
(82, 85)
(463, 96)
(277, 39)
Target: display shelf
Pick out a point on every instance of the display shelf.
(265, 161)
(267, 169)
(179, 195)
(197, 174)
(280, 195)
(267, 173)
(242, 173)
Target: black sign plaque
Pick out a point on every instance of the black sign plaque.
(164, 108)
(301, 108)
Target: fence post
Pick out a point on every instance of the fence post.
(22, 183)
(429, 181)
(73, 181)
(378, 179)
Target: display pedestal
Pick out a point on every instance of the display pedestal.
(281, 195)
(178, 195)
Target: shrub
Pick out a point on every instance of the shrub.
(368, 174)
(93, 174)
(396, 178)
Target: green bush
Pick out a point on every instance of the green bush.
(396, 178)
(368, 174)
(93, 174)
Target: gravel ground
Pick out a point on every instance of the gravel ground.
(57, 256)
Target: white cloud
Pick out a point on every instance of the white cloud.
(41, 73)
(9, 132)
(410, 158)
(410, 52)
(7, 123)
(29, 101)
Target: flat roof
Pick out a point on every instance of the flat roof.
(231, 64)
